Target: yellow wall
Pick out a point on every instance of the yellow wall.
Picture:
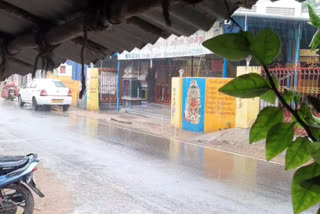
(247, 109)
(176, 102)
(93, 89)
(74, 85)
(219, 108)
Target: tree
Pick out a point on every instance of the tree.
(265, 48)
(314, 3)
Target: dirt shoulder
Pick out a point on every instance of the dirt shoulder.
(232, 140)
(235, 141)
(57, 199)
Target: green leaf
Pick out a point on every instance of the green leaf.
(314, 18)
(288, 95)
(315, 42)
(297, 124)
(246, 86)
(304, 111)
(318, 212)
(267, 118)
(314, 151)
(297, 153)
(297, 98)
(278, 139)
(303, 198)
(232, 46)
(266, 46)
(314, 182)
(306, 114)
(315, 102)
(270, 96)
(275, 80)
(316, 120)
(315, 132)
(249, 36)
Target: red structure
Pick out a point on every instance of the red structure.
(305, 80)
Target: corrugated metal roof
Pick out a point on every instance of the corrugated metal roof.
(136, 31)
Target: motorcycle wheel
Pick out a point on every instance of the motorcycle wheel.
(21, 104)
(16, 199)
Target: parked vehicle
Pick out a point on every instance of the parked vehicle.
(9, 91)
(16, 175)
(45, 93)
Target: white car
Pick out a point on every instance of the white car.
(45, 92)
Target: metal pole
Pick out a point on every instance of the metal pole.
(289, 60)
(290, 50)
(119, 84)
(246, 23)
(225, 68)
(297, 57)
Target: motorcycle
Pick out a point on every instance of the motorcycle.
(16, 183)
(10, 91)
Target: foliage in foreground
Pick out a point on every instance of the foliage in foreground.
(302, 153)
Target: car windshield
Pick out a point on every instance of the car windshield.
(58, 84)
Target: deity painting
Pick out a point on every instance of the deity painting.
(193, 105)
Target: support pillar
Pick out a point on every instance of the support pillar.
(297, 57)
(119, 85)
(225, 68)
(289, 59)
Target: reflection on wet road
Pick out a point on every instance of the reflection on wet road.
(114, 170)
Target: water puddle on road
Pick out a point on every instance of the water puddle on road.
(209, 163)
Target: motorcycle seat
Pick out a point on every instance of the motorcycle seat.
(12, 161)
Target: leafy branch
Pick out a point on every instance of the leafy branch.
(287, 106)
(269, 126)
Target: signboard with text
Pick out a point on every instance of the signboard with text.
(176, 102)
(174, 46)
(220, 109)
(93, 89)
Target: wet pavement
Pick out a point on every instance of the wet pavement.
(114, 170)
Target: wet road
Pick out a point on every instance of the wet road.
(113, 170)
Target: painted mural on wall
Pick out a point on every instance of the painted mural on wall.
(193, 104)
(192, 111)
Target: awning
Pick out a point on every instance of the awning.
(55, 28)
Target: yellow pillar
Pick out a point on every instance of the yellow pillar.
(247, 109)
(176, 102)
(93, 89)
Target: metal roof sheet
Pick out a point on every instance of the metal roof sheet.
(136, 31)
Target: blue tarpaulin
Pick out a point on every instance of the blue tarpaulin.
(284, 28)
(76, 69)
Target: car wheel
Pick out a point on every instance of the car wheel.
(65, 107)
(21, 103)
(35, 104)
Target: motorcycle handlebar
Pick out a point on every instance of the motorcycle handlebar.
(35, 156)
